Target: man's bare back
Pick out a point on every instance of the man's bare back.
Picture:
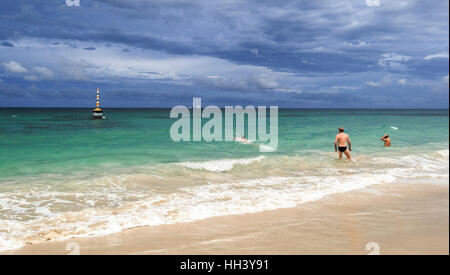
(342, 142)
(342, 139)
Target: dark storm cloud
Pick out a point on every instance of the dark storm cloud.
(7, 44)
(322, 44)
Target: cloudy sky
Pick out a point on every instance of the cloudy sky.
(161, 53)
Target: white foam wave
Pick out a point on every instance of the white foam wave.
(190, 204)
(424, 163)
(220, 165)
(115, 207)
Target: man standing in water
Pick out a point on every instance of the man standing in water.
(341, 142)
(387, 140)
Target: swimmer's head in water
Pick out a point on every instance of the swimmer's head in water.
(341, 129)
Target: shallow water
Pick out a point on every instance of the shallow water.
(63, 174)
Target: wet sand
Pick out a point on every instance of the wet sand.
(396, 218)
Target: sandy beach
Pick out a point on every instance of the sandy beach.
(396, 218)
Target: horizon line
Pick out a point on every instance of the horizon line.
(291, 108)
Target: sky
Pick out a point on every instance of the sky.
(162, 53)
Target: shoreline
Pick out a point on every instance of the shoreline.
(399, 218)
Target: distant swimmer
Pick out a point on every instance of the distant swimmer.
(387, 140)
(341, 142)
(241, 139)
(244, 140)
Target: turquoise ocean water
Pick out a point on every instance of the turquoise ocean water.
(63, 174)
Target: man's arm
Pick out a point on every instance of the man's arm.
(349, 144)
(335, 144)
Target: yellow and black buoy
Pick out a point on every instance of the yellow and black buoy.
(98, 113)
